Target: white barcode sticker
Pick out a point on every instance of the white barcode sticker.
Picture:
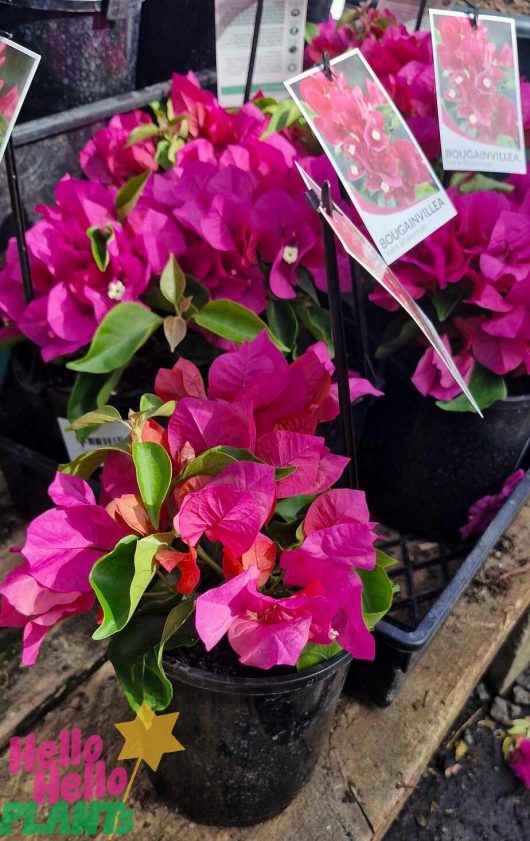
(107, 435)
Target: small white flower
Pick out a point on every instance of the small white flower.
(115, 290)
(486, 82)
(351, 149)
(333, 633)
(376, 135)
(451, 93)
(385, 187)
(472, 119)
(459, 80)
(290, 254)
(354, 172)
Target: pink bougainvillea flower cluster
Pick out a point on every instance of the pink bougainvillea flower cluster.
(261, 413)
(520, 762)
(480, 259)
(383, 167)
(474, 84)
(484, 510)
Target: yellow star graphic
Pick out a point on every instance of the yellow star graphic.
(149, 736)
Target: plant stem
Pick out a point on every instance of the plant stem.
(210, 561)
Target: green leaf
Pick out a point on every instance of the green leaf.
(317, 321)
(136, 654)
(468, 183)
(398, 333)
(153, 407)
(310, 31)
(212, 461)
(313, 655)
(377, 594)
(284, 115)
(197, 292)
(234, 322)
(153, 474)
(383, 560)
(99, 240)
(123, 331)
(175, 329)
(446, 300)
(85, 464)
(305, 282)
(176, 618)
(485, 386)
(129, 194)
(90, 391)
(282, 321)
(173, 282)
(289, 509)
(119, 580)
(143, 132)
(106, 414)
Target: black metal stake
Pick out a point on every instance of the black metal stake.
(421, 12)
(359, 314)
(337, 329)
(253, 50)
(18, 217)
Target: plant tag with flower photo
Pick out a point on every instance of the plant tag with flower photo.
(17, 69)
(358, 247)
(107, 435)
(280, 49)
(478, 94)
(386, 174)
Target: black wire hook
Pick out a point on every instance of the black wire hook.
(5, 34)
(325, 198)
(475, 12)
(326, 66)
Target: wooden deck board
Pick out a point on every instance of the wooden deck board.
(375, 756)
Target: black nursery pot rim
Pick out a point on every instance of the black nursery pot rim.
(266, 685)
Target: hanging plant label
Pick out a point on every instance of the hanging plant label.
(358, 247)
(106, 435)
(280, 47)
(387, 176)
(17, 69)
(477, 91)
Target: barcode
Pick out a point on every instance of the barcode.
(101, 441)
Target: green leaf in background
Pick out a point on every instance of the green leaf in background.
(123, 331)
(485, 386)
(153, 474)
(176, 619)
(136, 654)
(234, 322)
(282, 321)
(313, 655)
(446, 300)
(90, 391)
(197, 291)
(317, 322)
(128, 195)
(120, 579)
(284, 115)
(175, 329)
(468, 183)
(398, 333)
(310, 32)
(99, 240)
(106, 414)
(384, 561)
(153, 407)
(377, 594)
(85, 464)
(173, 282)
(289, 509)
(143, 132)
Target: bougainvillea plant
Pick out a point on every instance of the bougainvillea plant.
(516, 750)
(472, 276)
(224, 522)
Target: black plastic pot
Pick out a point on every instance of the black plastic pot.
(422, 468)
(89, 49)
(251, 743)
(179, 36)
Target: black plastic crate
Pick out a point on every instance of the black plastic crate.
(430, 587)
